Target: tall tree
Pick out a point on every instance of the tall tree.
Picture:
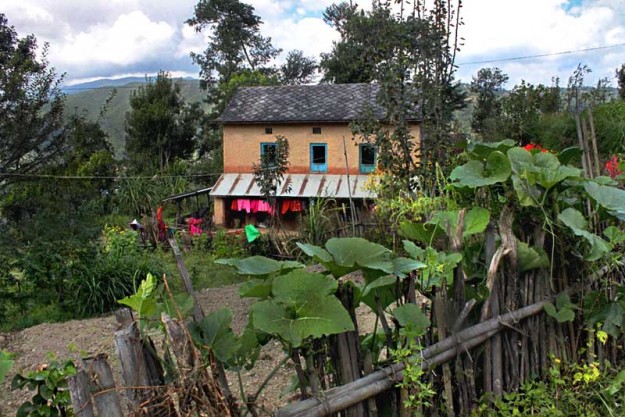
(298, 69)
(488, 85)
(235, 40)
(31, 106)
(409, 49)
(620, 77)
(161, 127)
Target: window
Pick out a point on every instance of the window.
(269, 149)
(318, 157)
(268, 130)
(316, 130)
(367, 157)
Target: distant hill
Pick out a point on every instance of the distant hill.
(93, 95)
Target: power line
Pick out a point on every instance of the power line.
(96, 177)
(518, 58)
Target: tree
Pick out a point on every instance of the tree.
(526, 107)
(235, 40)
(269, 173)
(488, 85)
(620, 77)
(354, 57)
(409, 50)
(161, 127)
(298, 69)
(31, 106)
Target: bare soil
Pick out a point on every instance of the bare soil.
(79, 338)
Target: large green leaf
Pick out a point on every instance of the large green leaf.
(304, 306)
(142, 301)
(421, 232)
(563, 310)
(578, 224)
(320, 254)
(483, 149)
(611, 314)
(615, 235)
(550, 172)
(521, 161)
(214, 333)
(382, 289)
(473, 174)
(475, 221)
(412, 318)
(531, 257)
(611, 198)
(256, 288)
(259, 265)
(570, 154)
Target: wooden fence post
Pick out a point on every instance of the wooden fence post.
(140, 368)
(103, 390)
(79, 392)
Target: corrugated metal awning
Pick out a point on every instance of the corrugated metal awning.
(296, 185)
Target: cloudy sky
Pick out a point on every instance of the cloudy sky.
(113, 38)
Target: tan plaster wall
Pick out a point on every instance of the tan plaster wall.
(242, 146)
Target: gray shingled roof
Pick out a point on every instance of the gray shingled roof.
(302, 103)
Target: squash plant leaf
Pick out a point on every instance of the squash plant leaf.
(474, 174)
(563, 310)
(475, 221)
(259, 265)
(303, 306)
(421, 232)
(611, 198)
(412, 318)
(578, 224)
(214, 332)
(531, 257)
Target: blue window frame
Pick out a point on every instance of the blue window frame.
(318, 157)
(268, 148)
(367, 157)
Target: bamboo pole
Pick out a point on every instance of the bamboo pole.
(339, 398)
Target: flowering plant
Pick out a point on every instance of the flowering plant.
(612, 165)
(531, 146)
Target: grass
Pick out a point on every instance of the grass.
(204, 272)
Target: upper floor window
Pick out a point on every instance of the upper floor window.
(269, 149)
(318, 157)
(316, 130)
(268, 130)
(367, 157)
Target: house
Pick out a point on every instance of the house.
(325, 159)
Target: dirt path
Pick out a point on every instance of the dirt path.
(78, 338)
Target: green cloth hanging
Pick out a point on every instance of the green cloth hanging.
(251, 232)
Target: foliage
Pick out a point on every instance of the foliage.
(235, 39)
(160, 126)
(569, 389)
(488, 85)
(269, 173)
(49, 381)
(620, 76)
(297, 68)
(6, 363)
(31, 106)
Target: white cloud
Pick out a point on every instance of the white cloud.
(109, 37)
(132, 37)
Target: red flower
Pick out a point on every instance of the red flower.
(531, 146)
(612, 166)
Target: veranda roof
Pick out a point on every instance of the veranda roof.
(296, 186)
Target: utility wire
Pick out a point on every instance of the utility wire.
(519, 58)
(87, 177)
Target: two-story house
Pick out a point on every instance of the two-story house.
(325, 159)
